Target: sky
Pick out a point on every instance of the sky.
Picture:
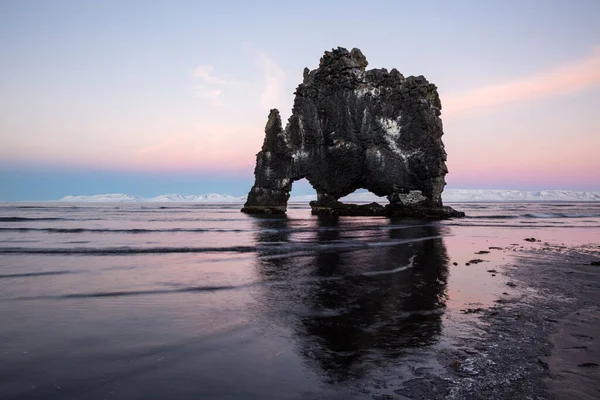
(165, 96)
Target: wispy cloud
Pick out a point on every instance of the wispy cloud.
(569, 78)
(210, 86)
(203, 146)
(205, 72)
(264, 86)
(211, 94)
(273, 93)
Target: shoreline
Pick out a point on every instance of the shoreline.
(543, 343)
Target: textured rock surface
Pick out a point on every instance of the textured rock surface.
(354, 128)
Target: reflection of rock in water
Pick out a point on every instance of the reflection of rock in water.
(352, 309)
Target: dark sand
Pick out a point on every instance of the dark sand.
(575, 360)
(543, 343)
(574, 363)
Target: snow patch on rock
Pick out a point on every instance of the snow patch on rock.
(364, 90)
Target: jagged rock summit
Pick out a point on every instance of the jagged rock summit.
(354, 128)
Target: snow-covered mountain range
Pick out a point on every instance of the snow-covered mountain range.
(469, 195)
(449, 195)
(165, 198)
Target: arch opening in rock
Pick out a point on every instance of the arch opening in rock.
(302, 192)
(362, 195)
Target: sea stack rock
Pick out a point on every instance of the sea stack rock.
(354, 128)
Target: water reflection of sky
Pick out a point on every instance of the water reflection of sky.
(306, 307)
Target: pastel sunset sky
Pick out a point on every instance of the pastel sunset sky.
(154, 97)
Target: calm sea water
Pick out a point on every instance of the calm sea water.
(201, 301)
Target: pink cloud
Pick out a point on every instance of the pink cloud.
(525, 169)
(568, 78)
(206, 147)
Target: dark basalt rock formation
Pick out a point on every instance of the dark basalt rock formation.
(354, 128)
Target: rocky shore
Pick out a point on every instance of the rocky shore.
(389, 210)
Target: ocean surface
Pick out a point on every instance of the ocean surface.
(200, 301)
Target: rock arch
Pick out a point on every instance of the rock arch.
(354, 128)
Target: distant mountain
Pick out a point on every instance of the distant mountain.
(103, 198)
(165, 198)
(468, 195)
(203, 198)
(449, 195)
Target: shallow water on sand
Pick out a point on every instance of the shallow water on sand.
(201, 301)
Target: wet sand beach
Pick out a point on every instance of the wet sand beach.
(541, 342)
